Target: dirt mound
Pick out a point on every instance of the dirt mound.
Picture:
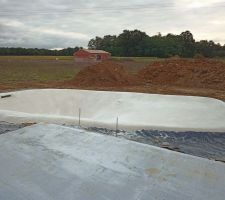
(107, 74)
(204, 73)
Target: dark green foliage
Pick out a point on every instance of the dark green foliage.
(37, 52)
(132, 43)
(188, 44)
(137, 43)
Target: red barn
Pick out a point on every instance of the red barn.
(85, 55)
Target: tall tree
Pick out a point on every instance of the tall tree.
(188, 43)
(95, 43)
(132, 43)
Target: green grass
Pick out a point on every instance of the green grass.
(21, 69)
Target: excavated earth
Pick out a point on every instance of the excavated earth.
(199, 77)
(105, 74)
(186, 73)
(199, 73)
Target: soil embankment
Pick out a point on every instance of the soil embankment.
(200, 77)
(204, 73)
(106, 74)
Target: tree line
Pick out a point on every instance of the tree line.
(138, 43)
(5, 51)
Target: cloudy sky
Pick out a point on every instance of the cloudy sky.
(63, 23)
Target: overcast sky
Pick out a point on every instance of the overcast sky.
(63, 23)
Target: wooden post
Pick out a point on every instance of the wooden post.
(79, 122)
(117, 126)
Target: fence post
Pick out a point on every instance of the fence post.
(117, 126)
(79, 122)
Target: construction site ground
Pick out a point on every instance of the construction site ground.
(204, 77)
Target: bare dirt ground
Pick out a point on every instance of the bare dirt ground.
(177, 77)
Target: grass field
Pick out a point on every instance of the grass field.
(52, 68)
(20, 72)
(40, 68)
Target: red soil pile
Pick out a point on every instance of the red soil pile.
(185, 73)
(105, 74)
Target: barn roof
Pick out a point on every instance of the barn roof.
(95, 51)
